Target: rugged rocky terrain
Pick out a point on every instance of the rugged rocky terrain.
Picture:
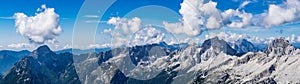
(215, 61)
(42, 66)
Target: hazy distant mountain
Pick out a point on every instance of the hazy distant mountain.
(261, 46)
(79, 51)
(243, 46)
(9, 58)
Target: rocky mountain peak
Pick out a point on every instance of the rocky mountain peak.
(280, 46)
(217, 45)
(41, 51)
(43, 66)
(43, 48)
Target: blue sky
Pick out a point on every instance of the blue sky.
(149, 11)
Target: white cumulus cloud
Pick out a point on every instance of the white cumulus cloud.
(176, 28)
(277, 15)
(284, 13)
(212, 23)
(123, 29)
(195, 16)
(236, 19)
(41, 28)
(198, 15)
(126, 25)
(148, 35)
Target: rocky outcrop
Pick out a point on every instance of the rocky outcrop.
(279, 47)
(43, 66)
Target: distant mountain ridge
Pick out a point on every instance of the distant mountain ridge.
(79, 51)
(8, 58)
(215, 61)
(244, 46)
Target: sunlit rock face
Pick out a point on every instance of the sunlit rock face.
(280, 47)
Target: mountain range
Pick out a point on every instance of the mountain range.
(215, 61)
(8, 58)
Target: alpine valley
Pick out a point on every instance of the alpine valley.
(213, 61)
